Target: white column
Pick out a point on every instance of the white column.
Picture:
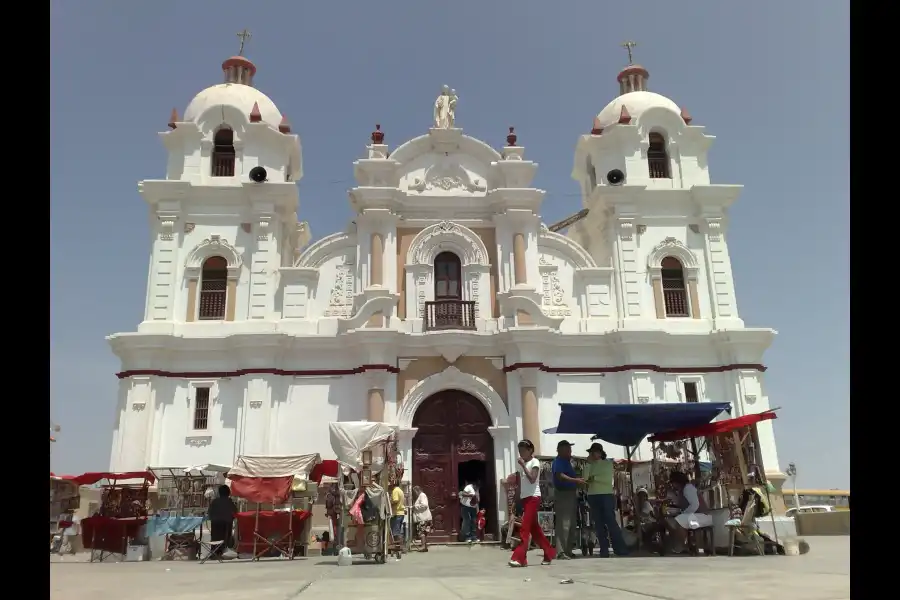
(503, 463)
(627, 282)
(256, 422)
(139, 421)
(719, 276)
(163, 269)
(261, 296)
(404, 445)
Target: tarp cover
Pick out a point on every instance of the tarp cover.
(327, 469)
(92, 478)
(629, 424)
(350, 438)
(714, 428)
(298, 465)
(269, 478)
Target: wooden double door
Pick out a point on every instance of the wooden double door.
(452, 430)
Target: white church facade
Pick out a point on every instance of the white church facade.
(447, 307)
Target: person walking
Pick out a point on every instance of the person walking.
(602, 501)
(529, 470)
(421, 517)
(565, 499)
(221, 514)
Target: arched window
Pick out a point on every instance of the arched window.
(213, 289)
(447, 277)
(674, 288)
(658, 157)
(223, 153)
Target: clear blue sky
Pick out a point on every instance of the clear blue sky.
(769, 79)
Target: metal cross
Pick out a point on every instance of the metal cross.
(629, 45)
(245, 35)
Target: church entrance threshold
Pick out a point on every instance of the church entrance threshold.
(453, 444)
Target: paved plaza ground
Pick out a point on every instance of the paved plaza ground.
(461, 573)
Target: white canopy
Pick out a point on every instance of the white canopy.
(350, 438)
(298, 465)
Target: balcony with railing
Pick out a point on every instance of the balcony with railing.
(441, 315)
(223, 164)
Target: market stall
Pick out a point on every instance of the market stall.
(370, 464)
(627, 425)
(280, 483)
(183, 497)
(122, 513)
(64, 499)
(734, 482)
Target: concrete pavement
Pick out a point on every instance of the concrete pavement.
(479, 573)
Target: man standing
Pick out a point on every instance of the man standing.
(468, 500)
(398, 514)
(565, 499)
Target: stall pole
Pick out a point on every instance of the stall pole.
(761, 476)
(255, 531)
(696, 454)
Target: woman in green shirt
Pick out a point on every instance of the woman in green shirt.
(602, 501)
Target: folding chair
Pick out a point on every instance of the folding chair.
(212, 548)
(746, 526)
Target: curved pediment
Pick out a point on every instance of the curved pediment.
(445, 162)
(328, 247)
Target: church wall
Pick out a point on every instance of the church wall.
(300, 420)
(420, 368)
(337, 286)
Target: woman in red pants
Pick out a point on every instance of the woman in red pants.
(530, 491)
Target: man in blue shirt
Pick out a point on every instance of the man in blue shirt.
(565, 500)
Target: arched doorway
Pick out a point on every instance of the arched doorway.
(452, 438)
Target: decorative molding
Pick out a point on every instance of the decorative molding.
(714, 229)
(167, 227)
(643, 399)
(570, 250)
(445, 236)
(496, 361)
(262, 228)
(340, 300)
(528, 377)
(378, 380)
(553, 297)
(247, 227)
(256, 404)
(189, 227)
(674, 248)
(626, 229)
(198, 441)
(214, 245)
(138, 406)
(328, 247)
(452, 378)
(750, 399)
(641, 229)
(694, 227)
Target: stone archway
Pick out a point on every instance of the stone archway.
(452, 427)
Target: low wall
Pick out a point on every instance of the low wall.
(828, 523)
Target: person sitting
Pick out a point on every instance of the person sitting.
(692, 512)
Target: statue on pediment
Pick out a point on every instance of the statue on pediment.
(445, 109)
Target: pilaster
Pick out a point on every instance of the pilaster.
(263, 262)
(160, 304)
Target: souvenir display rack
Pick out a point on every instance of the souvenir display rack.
(183, 498)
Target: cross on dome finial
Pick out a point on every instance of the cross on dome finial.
(633, 78)
(629, 46)
(246, 35)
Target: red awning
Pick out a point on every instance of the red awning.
(92, 478)
(326, 468)
(262, 489)
(713, 428)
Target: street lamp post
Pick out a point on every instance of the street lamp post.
(792, 473)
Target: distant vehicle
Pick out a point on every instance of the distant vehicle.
(839, 499)
(810, 509)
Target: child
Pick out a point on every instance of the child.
(480, 523)
(529, 471)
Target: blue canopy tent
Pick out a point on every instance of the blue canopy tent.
(628, 424)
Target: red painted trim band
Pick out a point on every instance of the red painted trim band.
(621, 368)
(263, 371)
(392, 369)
